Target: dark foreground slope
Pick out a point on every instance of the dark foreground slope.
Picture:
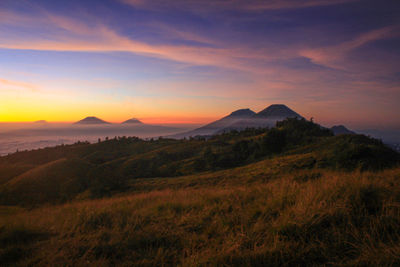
(243, 217)
(291, 196)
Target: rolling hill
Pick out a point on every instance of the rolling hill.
(106, 167)
(292, 195)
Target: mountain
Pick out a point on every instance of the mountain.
(91, 120)
(278, 111)
(340, 129)
(132, 121)
(40, 121)
(265, 118)
(246, 112)
(244, 118)
(214, 127)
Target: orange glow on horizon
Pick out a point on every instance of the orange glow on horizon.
(178, 120)
(146, 120)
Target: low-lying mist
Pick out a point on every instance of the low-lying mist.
(27, 136)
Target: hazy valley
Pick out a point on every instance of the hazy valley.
(28, 136)
(40, 134)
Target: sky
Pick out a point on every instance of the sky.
(193, 61)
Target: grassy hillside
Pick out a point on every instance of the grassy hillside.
(294, 195)
(56, 181)
(245, 216)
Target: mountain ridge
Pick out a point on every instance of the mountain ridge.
(217, 125)
(242, 119)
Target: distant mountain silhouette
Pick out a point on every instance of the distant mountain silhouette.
(246, 112)
(132, 121)
(216, 126)
(340, 129)
(244, 118)
(278, 111)
(265, 118)
(41, 121)
(91, 120)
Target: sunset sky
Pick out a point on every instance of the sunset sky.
(195, 61)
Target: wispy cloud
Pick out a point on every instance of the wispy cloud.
(289, 4)
(250, 5)
(74, 35)
(332, 56)
(68, 34)
(80, 37)
(18, 85)
(170, 32)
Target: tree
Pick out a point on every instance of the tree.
(274, 141)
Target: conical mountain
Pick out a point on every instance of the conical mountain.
(265, 118)
(244, 118)
(132, 121)
(341, 129)
(246, 112)
(277, 110)
(91, 120)
(220, 124)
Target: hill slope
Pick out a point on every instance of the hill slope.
(253, 215)
(108, 167)
(56, 181)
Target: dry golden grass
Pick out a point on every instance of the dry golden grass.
(248, 216)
